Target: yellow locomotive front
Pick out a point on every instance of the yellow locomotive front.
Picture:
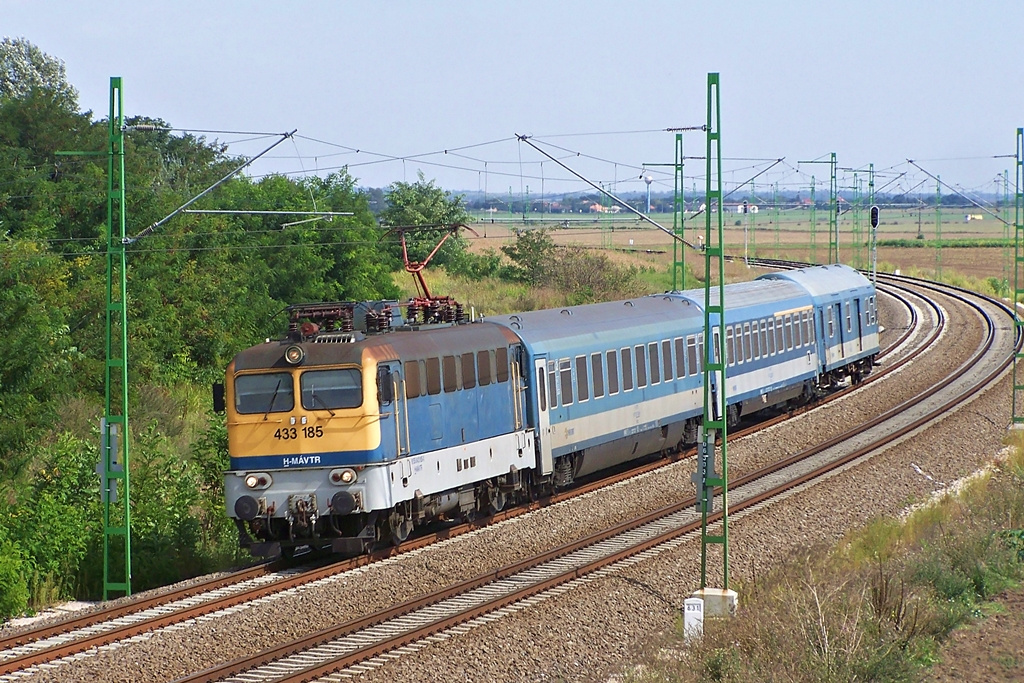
(304, 423)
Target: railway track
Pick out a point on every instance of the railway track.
(31, 649)
(372, 641)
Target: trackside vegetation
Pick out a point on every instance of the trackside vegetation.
(200, 289)
(877, 607)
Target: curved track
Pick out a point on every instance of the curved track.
(29, 649)
(375, 639)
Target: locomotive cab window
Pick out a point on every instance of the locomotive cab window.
(326, 389)
(269, 393)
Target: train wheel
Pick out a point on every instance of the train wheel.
(496, 500)
(399, 527)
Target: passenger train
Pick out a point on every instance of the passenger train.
(359, 425)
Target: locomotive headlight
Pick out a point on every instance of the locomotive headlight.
(343, 476)
(258, 480)
(293, 355)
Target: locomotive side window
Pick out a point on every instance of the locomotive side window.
(565, 379)
(666, 359)
(325, 389)
(681, 358)
(468, 371)
(582, 386)
(691, 354)
(413, 380)
(613, 372)
(451, 379)
(652, 352)
(433, 376)
(627, 369)
(270, 393)
(552, 384)
(484, 360)
(641, 367)
(541, 389)
(598, 372)
(501, 360)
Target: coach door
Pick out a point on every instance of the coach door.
(543, 416)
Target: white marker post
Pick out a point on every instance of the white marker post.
(693, 619)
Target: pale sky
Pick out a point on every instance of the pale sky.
(940, 82)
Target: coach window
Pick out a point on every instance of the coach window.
(652, 353)
(716, 345)
(483, 364)
(691, 353)
(413, 381)
(598, 373)
(808, 327)
(831, 323)
(764, 337)
(501, 359)
(433, 376)
(582, 386)
(565, 380)
(666, 359)
(552, 384)
(468, 371)
(451, 377)
(797, 338)
(641, 366)
(542, 392)
(748, 350)
(755, 341)
(849, 319)
(787, 328)
(627, 369)
(771, 336)
(613, 372)
(680, 358)
(780, 342)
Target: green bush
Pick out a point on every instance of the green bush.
(14, 592)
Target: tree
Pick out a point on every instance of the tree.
(24, 67)
(424, 203)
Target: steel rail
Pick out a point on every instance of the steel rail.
(382, 646)
(31, 648)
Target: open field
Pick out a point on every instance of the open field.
(644, 245)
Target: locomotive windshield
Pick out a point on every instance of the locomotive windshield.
(269, 393)
(326, 389)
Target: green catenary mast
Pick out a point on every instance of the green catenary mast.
(714, 422)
